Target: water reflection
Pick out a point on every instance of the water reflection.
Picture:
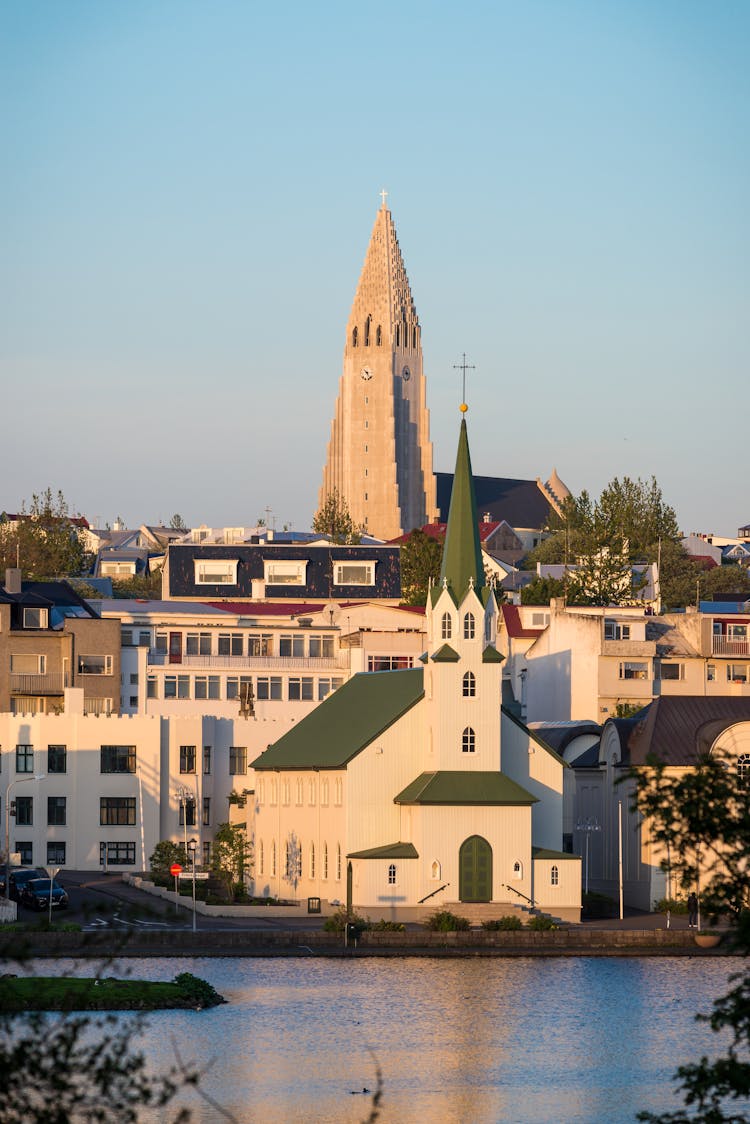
(465, 1041)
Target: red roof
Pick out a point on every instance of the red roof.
(266, 608)
(704, 560)
(514, 625)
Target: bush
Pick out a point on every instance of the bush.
(204, 994)
(443, 921)
(503, 924)
(674, 905)
(384, 926)
(542, 923)
(338, 921)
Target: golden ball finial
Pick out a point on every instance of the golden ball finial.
(463, 407)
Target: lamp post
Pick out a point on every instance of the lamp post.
(588, 825)
(18, 780)
(192, 846)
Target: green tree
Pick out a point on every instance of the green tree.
(701, 821)
(177, 523)
(542, 590)
(231, 856)
(724, 579)
(421, 558)
(333, 519)
(144, 586)
(44, 542)
(165, 853)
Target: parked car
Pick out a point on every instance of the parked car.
(19, 876)
(35, 894)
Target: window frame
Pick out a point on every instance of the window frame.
(115, 756)
(367, 567)
(117, 811)
(225, 571)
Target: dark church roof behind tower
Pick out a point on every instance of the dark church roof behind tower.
(521, 503)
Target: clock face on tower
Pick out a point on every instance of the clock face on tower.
(366, 374)
(406, 374)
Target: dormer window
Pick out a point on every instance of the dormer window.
(446, 627)
(285, 573)
(354, 573)
(216, 571)
(35, 618)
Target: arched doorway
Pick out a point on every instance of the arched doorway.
(475, 870)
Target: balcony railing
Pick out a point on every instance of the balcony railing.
(250, 663)
(52, 684)
(728, 646)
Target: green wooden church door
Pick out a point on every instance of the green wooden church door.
(475, 870)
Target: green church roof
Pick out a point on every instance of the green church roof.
(390, 851)
(464, 787)
(344, 723)
(446, 654)
(462, 553)
(491, 655)
(545, 853)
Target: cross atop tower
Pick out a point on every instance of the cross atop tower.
(383, 197)
(463, 366)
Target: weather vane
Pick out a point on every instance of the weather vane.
(463, 366)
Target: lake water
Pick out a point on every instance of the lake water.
(574, 1041)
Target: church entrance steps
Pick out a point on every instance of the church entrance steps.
(477, 912)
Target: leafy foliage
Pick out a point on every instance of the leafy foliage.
(443, 921)
(701, 821)
(333, 519)
(338, 921)
(43, 541)
(542, 590)
(144, 586)
(164, 854)
(421, 559)
(541, 923)
(231, 856)
(503, 924)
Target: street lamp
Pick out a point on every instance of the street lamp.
(588, 825)
(192, 847)
(18, 780)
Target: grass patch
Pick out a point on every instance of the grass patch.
(52, 993)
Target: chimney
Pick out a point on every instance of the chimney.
(13, 580)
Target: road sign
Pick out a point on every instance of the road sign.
(175, 870)
(200, 875)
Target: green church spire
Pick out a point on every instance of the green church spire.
(462, 553)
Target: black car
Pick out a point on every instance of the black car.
(35, 894)
(18, 879)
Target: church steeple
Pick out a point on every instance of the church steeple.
(462, 566)
(379, 454)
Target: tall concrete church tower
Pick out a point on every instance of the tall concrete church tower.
(380, 454)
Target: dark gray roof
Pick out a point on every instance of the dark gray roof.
(519, 502)
(678, 730)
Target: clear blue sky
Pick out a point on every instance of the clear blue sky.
(188, 191)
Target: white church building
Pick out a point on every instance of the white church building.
(413, 789)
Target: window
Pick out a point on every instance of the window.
(35, 618)
(134, 679)
(207, 686)
(56, 808)
(206, 811)
(711, 672)
(435, 870)
(187, 758)
(24, 759)
(117, 811)
(469, 685)
(237, 760)
(325, 861)
(285, 573)
(743, 768)
(274, 792)
(389, 663)
(126, 637)
(670, 670)
(198, 644)
(27, 663)
(57, 759)
(338, 862)
(311, 792)
(120, 854)
(259, 645)
(325, 686)
(118, 759)
(737, 673)
(312, 860)
(187, 813)
(269, 687)
(468, 740)
(24, 811)
(469, 626)
(161, 642)
(55, 854)
(261, 857)
(355, 337)
(613, 630)
(94, 665)
(630, 670)
(25, 850)
(392, 874)
(301, 688)
(206, 760)
(554, 876)
(216, 571)
(144, 638)
(354, 573)
(321, 646)
(240, 687)
(517, 870)
(207, 853)
(176, 686)
(286, 791)
(446, 627)
(152, 687)
(273, 857)
(291, 645)
(230, 644)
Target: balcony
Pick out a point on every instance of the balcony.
(729, 646)
(249, 664)
(52, 684)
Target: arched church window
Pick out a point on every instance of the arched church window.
(392, 874)
(355, 337)
(446, 627)
(325, 860)
(517, 870)
(273, 858)
(469, 685)
(554, 876)
(469, 626)
(468, 740)
(378, 336)
(312, 860)
(743, 768)
(435, 871)
(368, 321)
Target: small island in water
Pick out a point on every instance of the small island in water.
(70, 993)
